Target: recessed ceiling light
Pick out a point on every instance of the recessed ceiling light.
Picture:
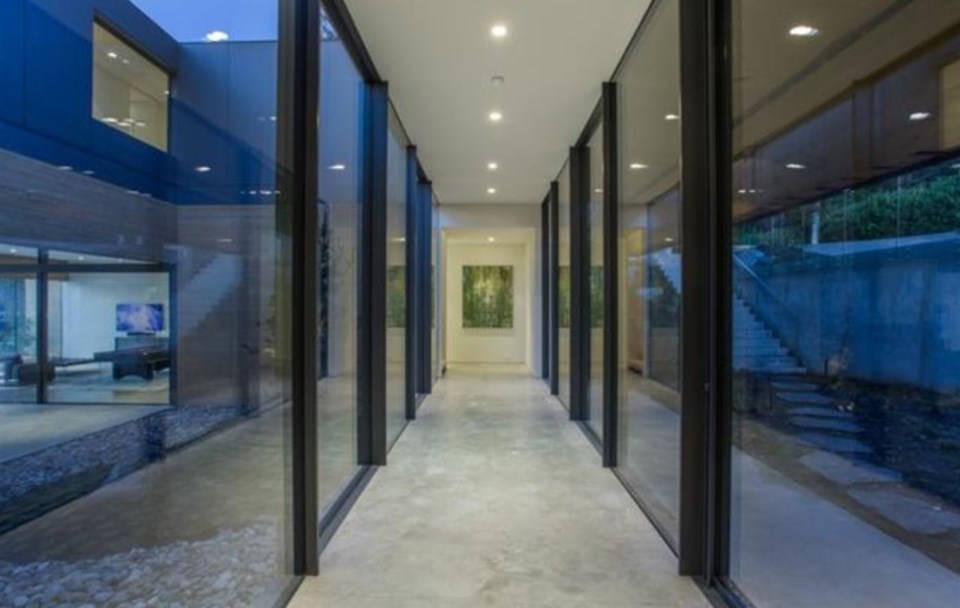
(742, 191)
(110, 120)
(803, 31)
(202, 169)
(918, 116)
(337, 167)
(112, 55)
(81, 258)
(669, 239)
(399, 239)
(126, 62)
(637, 166)
(13, 251)
(491, 190)
(672, 117)
(796, 166)
(225, 240)
(88, 172)
(490, 239)
(217, 36)
(496, 116)
(65, 168)
(493, 166)
(499, 31)
(598, 190)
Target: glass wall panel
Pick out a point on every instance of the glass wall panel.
(436, 294)
(846, 283)
(162, 285)
(341, 101)
(595, 303)
(130, 92)
(19, 367)
(650, 279)
(109, 337)
(397, 317)
(563, 285)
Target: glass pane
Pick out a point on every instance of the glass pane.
(846, 339)
(109, 338)
(650, 256)
(129, 91)
(19, 369)
(397, 316)
(563, 286)
(341, 90)
(153, 438)
(596, 281)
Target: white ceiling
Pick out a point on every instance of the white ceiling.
(439, 57)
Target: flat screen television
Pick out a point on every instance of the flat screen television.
(137, 318)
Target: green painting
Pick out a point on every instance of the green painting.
(396, 296)
(488, 297)
(596, 297)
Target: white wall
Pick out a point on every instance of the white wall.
(517, 224)
(488, 345)
(88, 313)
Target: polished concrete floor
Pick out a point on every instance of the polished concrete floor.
(493, 498)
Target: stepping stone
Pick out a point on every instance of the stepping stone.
(795, 386)
(909, 511)
(822, 412)
(806, 397)
(825, 424)
(834, 443)
(844, 472)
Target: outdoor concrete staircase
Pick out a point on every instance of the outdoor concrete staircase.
(755, 346)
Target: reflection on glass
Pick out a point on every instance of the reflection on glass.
(129, 90)
(563, 286)
(595, 303)
(397, 316)
(650, 256)
(341, 91)
(846, 339)
(144, 397)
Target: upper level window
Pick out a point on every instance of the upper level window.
(129, 91)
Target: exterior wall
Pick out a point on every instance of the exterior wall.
(886, 317)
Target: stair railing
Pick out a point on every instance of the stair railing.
(770, 309)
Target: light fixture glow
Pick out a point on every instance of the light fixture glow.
(202, 169)
(499, 31)
(796, 166)
(598, 190)
(112, 55)
(637, 166)
(491, 240)
(337, 167)
(918, 116)
(742, 191)
(493, 166)
(496, 116)
(225, 241)
(81, 258)
(13, 251)
(668, 239)
(110, 120)
(803, 31)
(217, 36)
(672, 117)
(491, 190)
(65, 168)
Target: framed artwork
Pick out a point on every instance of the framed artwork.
(488, 297)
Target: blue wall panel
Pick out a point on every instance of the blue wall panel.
(11, 67)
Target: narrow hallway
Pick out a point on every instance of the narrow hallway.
(493, 498)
